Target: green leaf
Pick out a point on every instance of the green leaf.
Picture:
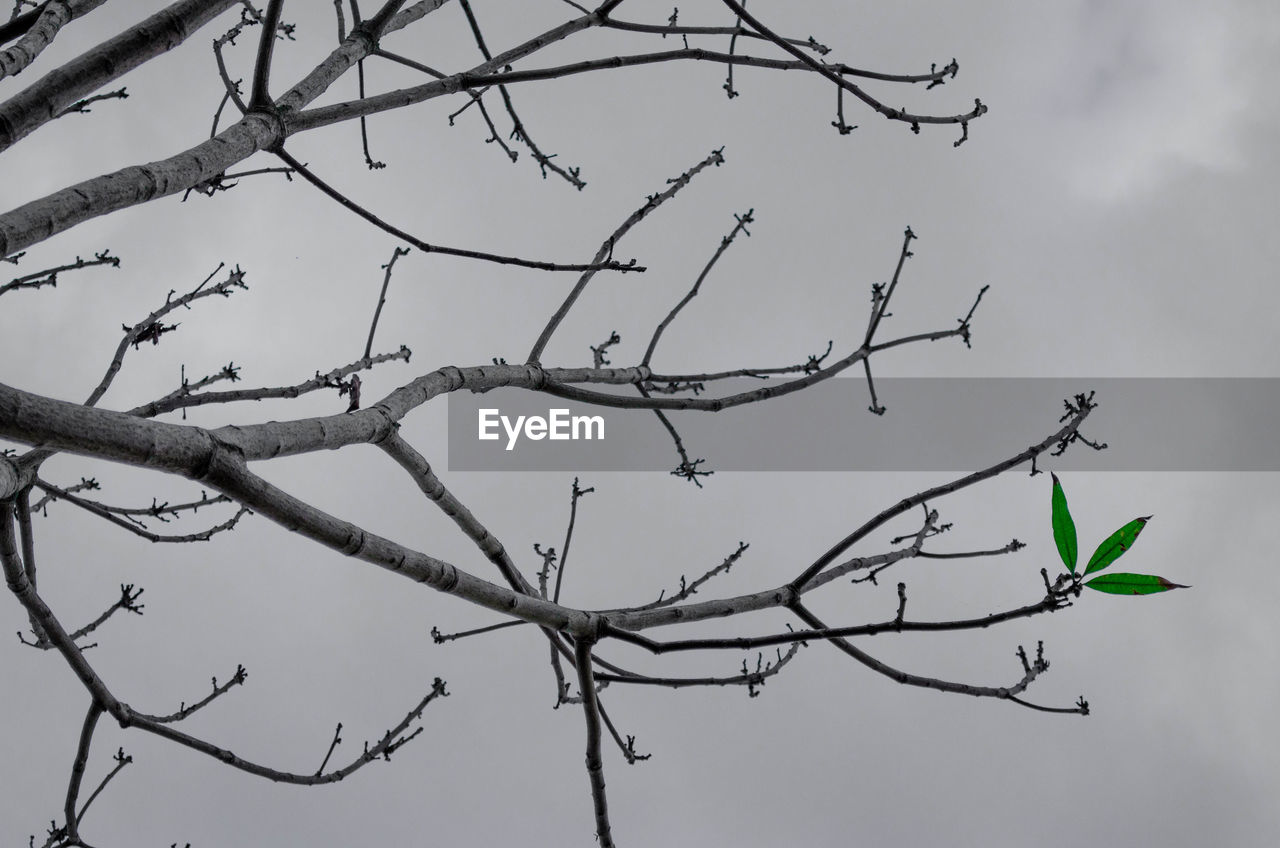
(1132, 584)
(1116, 544)
(1064, 529)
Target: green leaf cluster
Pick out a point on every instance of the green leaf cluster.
(1111, 549)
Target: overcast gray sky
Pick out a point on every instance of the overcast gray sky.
(1119, 199)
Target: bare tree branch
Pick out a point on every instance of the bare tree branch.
(605, 253)
(38, 29)
(595, 763)
(49, 276)
(520, 587)
(55, 93)
(435, 248)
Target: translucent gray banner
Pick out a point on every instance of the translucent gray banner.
(930, 424)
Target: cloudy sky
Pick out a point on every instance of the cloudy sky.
(1116, 198)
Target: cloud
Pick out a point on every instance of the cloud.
(1136, 93)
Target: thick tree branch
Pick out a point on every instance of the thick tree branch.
(57, 91)
(594, 760)
(40, 219)
(260, 98)
(51, 18)
(77, 771)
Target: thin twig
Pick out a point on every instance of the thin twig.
(132, 526)
(310, 177)
(150, 328)
(325, 115)
(740, 227)
(576, 494)
(82, 106)
(382, 296)
(185, 396)
(518, 131)
(605, 253)
(49, 276)
(218, 690)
